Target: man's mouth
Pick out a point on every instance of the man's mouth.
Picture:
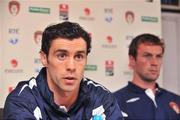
(70, 78)
(154, 71)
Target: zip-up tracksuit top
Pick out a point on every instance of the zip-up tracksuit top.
(33, 100)
(141, 104)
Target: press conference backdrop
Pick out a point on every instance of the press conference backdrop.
(111, 23)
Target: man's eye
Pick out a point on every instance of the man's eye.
(79, 57)
(147, 56)
(159, 56)
(61, 56)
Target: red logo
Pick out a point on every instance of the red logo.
(63, 7)
(175, 107)
(14, 63)
(14, 7)
(10, 89)
(109, 39)
(87, 11)
(38, 36)
(109, 63)
(129, 17)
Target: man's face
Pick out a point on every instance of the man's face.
(148, 62)
(65, 64)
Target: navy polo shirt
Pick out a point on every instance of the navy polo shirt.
(141, 104)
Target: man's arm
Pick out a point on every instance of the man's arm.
(17, 110)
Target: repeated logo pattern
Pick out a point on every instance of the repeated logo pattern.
(111, 24)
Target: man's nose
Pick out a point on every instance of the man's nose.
(70, 65)
(154, 61)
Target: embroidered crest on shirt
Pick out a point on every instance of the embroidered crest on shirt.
(98, 113)
(175, 107)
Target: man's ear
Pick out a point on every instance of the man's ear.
(131, 62)
(43, 58)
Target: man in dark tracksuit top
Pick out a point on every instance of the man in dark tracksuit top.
(60, 91)
(143, 99)
(137, 105)
(33, 100)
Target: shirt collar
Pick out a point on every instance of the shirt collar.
(48, 94)
(136, 89)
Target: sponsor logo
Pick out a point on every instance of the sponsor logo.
(39, 10)
(108, 10)
(13, 30)
(13, 41)
(10, 89)
(108, 19)
(128, 39)
(91, 68)
(129, 17)
(87, 15)
(63, 11)
(87, 11)
(38, 65)
(109, 42)
(109, 39)
(14, 64)
(108, 14)
(37, 61)
(14, 7)
(109, 67)
(38, 37)
(149, 19)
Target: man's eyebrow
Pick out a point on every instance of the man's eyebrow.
(60, 50)
(81, 51)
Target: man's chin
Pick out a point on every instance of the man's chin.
(150, 80)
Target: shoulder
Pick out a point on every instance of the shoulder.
(170, 95)
(22, 94)
(95, 87)
(97, 92)
(101, 100)
(121, 92)
(21, 102)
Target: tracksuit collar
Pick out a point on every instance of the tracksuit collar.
(47, 94)
(136, 89)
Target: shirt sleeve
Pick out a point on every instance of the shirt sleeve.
(112, 111)
(18, 110)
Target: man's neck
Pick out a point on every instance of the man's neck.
(63, 98)
(144, 84)
(66, 99)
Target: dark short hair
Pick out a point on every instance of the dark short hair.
(66, 30)
(144, 38)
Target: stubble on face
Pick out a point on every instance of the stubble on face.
(65, 65)
(148, 62)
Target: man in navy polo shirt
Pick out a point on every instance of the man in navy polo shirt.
(142, 98)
